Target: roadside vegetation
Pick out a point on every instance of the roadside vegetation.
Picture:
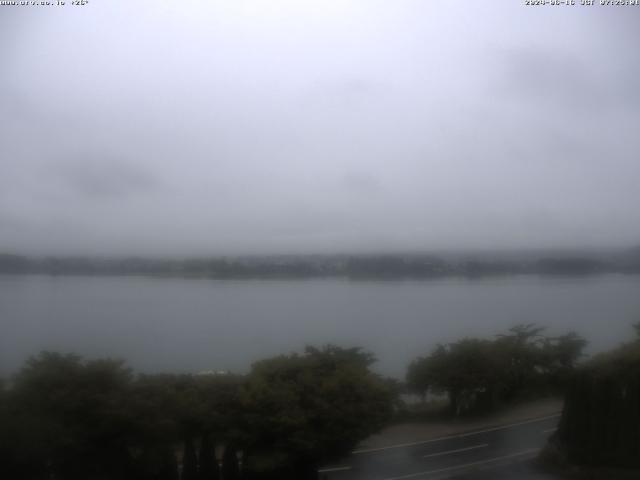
(600, 424)
(66, 418)
(478, 375)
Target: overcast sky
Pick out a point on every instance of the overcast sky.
(289, 126)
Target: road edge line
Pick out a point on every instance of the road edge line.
(457, 435)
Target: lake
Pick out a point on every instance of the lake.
(189, 325)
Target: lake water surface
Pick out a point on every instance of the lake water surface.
(188, 325)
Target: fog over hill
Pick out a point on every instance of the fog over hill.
(380, 266)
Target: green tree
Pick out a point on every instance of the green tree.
(208, 466)
(559, 358)
(601, 417)
(479, 374)
(73, 416)
(302, 409)
(418, 378)
(467, 370)
(521, 351)
(189, 461)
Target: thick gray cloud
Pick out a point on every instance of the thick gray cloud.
(286, 126)
(93, 175)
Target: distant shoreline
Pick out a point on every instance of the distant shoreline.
(351, 267)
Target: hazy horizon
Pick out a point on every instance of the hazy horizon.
(285, 127)
(513, 251)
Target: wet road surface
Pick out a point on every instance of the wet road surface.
(493, 453)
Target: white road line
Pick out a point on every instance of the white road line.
(439, 454)
(451, 437)
(549, 430)
(466, 465)
(335, 469)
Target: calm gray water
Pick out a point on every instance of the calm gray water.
(182, 325)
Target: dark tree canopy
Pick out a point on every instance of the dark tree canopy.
(313, 406)
(71, 419)
(600, 423)
(478, 374)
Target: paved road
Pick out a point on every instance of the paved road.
(494, 453)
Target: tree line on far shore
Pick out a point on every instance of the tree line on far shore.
(384, 267)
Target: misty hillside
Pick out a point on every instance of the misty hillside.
(382, 266)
